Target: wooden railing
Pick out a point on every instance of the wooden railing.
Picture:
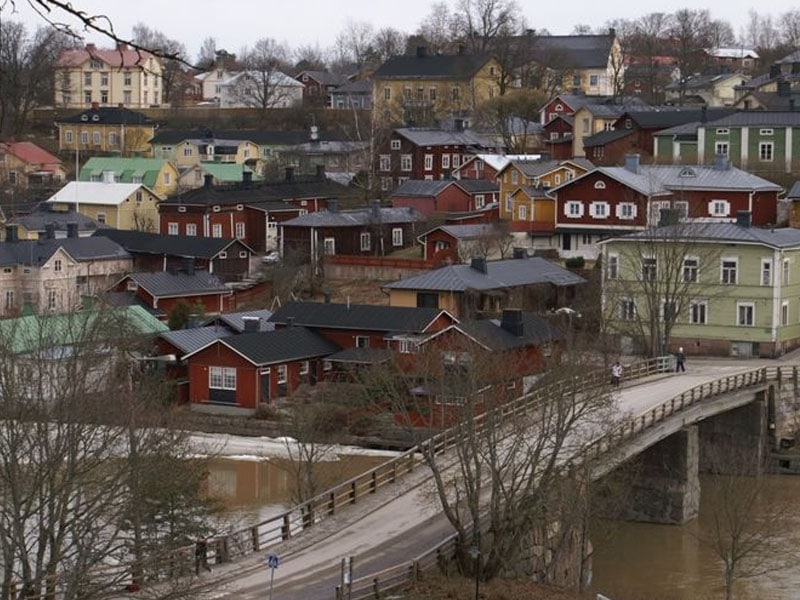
(375, 585)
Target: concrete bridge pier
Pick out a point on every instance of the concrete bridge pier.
(664, 486)
(737, 441)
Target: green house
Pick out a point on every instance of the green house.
(158, 174)
(710, 288)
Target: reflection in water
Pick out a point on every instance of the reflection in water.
(666, 562)
(259, 489)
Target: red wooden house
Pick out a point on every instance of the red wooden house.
(445, 196)
(558, 136)
(618, 199)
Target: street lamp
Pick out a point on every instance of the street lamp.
(475, 553)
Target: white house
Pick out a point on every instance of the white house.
(254, 89)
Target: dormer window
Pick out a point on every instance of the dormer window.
(599, 185)
(687, 172)
(240, 207)
(723, 131)
(95, 117)
(181, 209)
(216, 208)
(84, 117)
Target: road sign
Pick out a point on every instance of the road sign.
(273, 561)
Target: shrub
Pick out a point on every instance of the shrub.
(576, 262)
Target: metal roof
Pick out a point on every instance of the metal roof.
(142, 242)
(756, 118)
(431, 66)
(166, 284)
(38, 252)
(355, 218)
(500, 274)
(784, 237)
(357, 316)
(442, 137)
(189, 340)
(280, 346)
(95, 192)
(422, 187)
(235, 321)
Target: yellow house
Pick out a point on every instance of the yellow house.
(593, 118)
(23, 164)
(159, 175)
(104, 129)
(115, 76)
(191, 151)
(523, 186)
(422, 88)
(130, 206)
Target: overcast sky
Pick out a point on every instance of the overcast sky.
(236, 23)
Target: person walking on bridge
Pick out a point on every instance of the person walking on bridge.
(616, 373)
(680, 359)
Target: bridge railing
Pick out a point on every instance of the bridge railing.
(376, 585)
(297, 519)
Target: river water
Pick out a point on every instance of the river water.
(636, 561)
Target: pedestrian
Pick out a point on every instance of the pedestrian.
(201, 556)
(616, 373)
(680, 358)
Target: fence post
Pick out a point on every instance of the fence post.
(353, 492)
(254, 537)
(223, 553)
(374, 483)
(332, 503)
(286, 528)
(394, 471)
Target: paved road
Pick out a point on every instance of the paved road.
(402, 521)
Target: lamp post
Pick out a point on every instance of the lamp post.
(475, 553)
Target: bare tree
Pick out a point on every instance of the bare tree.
(790, 28)
(690, 31)
(207, 53)
(388, 42)
(512, 116)
(172, 76)
(263, 84)
(438, 29)
(354, 44)
(309, 58)
(482, 23)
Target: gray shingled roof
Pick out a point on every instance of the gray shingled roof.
(466, 232)
(501, 274)
(435, 66)
(280, 346)
(166, 284)
(142, 242)
(757, 118)
(356, 218)
(477, 186)
(442, 137)
(367, 356)
(602, 138)
(535, 168)
(581, 51)
(685, 131)
(235, 321)
(490, 333)
(189, 340)
(785, 237)
(669, 116)
(357, 316)
(81, 249)
(422, 187)
(42, 216)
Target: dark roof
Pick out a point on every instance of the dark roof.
(422, 187)
(235, 321)
(776, 101)
(356, 218)
(700, 82)
(279, 346)
(500, 274)
(606, 137)
(189, 340)
(81, 249)
(757, 118)
(141, 242)
(42, 215)
(468, 232)
(581, 51)
(362, 86)
(664, 117)
(365, 317)
(258, 193)
(477, 186)
(108, 115)
(490, 333)
(422, 136)
(436, 66)
(784, 237)
(323, 77)
(366, 356)
(257, 136)
(166, 284)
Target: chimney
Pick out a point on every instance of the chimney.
(50, 231)
(91, 48)
(421, 51)
(376, 210)
(632, 163)
(95, 105)
(289, 174)
(479, 264)
(784, 88)
(743, 218)
(72, 230)
(108, 176)
(321, 172)
(247, 178)
(721, 162)
(188, 265)
(511, 321)
(704, 114)
(333, 205)
(208, 181)
(11, 233)
(612, 32)
(252, 324)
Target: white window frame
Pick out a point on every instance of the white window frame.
(58, 265)
(626, 210)
(649, 268)
(385, 162)
(216, 230)
(723, 270)
(172, 229)
(405, 162)
(191, 229)
(766, 271)
(428, 165)
(522, 212)
(241, 229)
(365, 241)
(397, 237)
(723, 131)
(612, 270)
(599, 209)
(283, 374)
(752, 314)
(573, 209)
(722, 148)
(329, 246)
(785, 273)
(719, 208)
(698, 312)
(692, 270)
(627, 309)
(599, 185)
(766, 151)
(394, 144)
(222, 378)
(445, 161)
(784, 313)
(766, 131)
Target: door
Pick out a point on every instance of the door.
(264, 386)
(566, 241)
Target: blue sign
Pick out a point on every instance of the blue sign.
(273, 561)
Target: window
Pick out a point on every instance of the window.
(87, 97)
(365, 241)
(405, 162)
(395, 144)
(223, 255)
(573, 209)
(191, 229)
(627, 309)
(386, 183)
(216, 230)
(222, 378)
(407, 346)
(112, 139)
(87, 78)
(362, 341)
(58, 265)
(514, 177)
(745, 314)
(722, 148)
(785, 272)
(480, 201)
(327, 365)
(785, 313)
(329, 246)
(9, 299)
(172, 228)
(282, 373)
(649, 268)
(445, 161)
(385, 162)
(101, 218)
(729, 268)
(612, 272)
(126, 97)
(723, 131)
(304, 368)
(52, 298)
(522, 212)
(126, 79)
(765, 132)
(626, 210)
(599, 210)
(765, 151)
(68, 137)
(719, 208)
(104, 96)
(455, 93)
(690, 268)
(698, 312)
(456, 160)
(96, 138)
(766, 272)
(682, 208)
(84, 137)
(240, 229)
(593, 79)
(397, 236)
(432, 94)
(167, 178)
(104, 79)
(429, 162)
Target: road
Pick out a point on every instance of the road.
(402, 521)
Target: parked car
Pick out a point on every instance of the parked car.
(271, 258)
